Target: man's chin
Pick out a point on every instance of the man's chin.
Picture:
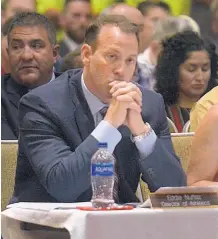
(30, 82)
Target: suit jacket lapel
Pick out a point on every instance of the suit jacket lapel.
(83, 115)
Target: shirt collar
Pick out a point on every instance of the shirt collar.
(144, 58)
(53, 77)
(94, 103)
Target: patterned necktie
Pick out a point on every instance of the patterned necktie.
(103, 112)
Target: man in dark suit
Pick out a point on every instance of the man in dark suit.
(61, 124)
(32, 52)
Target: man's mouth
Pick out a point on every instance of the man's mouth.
(27, 67)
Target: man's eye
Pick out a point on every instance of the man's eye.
(111, 57)
(37, 45)
(15, 47)
(131, 61)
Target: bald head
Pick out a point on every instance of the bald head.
(132, 13)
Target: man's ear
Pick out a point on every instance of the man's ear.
(86, 53)
(56, 51)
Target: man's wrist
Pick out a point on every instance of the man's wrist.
(141, 129)
(147, 131)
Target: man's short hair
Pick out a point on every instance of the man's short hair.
(34, 19)
(119, 21)
(164, 6)
(170, 26)
(6, 27)
(144, 7)
(69, 1)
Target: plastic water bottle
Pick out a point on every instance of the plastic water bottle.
(102, 177)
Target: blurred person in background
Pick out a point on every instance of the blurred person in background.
(99, 5)
(32, 52)
(213, 30)
(76, 17)
(72, 60)
(201, 13)
(179, 7)
(52, 9)
(201, 108)
(152, 12)
(13, 7)
(185, 71)
(162, 30)
(203, 162)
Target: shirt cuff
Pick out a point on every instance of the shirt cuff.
(105, 132)
(146, 145)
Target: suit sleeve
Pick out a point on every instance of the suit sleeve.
(63, 172)
(162, 168)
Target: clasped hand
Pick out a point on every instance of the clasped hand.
(125, 107)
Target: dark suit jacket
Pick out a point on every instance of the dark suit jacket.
(11, 93)
(55, 147)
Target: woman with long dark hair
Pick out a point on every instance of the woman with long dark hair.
(185, 71)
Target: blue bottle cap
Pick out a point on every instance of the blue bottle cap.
(102, 145)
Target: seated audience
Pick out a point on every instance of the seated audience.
(32, 53)
(72, 61)
(185, 71)
(162, 30)
(152, 13)
(76, 16)
(202, 106)
(203, 165)
(62, 122)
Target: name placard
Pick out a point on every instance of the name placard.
(185, 197)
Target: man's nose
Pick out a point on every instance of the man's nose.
(120, 69)
(27, 53)
(84, 20)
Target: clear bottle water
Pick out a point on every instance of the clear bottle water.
(102, 177)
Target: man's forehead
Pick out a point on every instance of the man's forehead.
(30, 32)
(110, 34)
(35, 29)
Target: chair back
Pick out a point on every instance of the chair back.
(172, 126)
(8, 169)
(186, 127)
(182, 143)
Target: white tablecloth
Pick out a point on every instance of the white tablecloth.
(198, 223)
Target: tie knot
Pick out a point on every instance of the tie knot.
(103, 111)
